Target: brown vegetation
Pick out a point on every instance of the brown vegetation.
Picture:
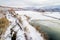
(43, 34)
(3, 24)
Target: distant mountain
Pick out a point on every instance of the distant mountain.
(55, 8)
(8, 8)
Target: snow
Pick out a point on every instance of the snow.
(31, 32)
(37, 15)
(20, 33)
(53, 14)
(41, 16)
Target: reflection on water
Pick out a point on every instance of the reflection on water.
(52, 29)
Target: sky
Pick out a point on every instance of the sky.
(27, 3)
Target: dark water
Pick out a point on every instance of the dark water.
(52, 32)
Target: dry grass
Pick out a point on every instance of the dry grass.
(43, 34)
(3, 24)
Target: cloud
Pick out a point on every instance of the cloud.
(36, 1)
(25, 3)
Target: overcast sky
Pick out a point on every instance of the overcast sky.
(24, 3)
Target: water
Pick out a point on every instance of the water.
(52, 29)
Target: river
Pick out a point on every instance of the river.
(52, 28)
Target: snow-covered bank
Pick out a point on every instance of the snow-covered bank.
(27, 32)
(40, 16)
(37, 15)
(53, 14)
